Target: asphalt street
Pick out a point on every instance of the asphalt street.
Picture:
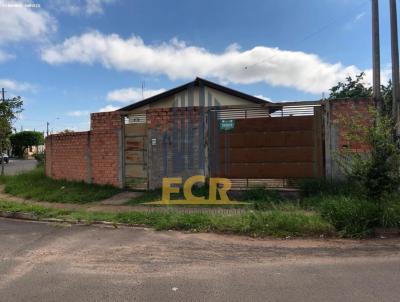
(50, 262)
(16, 166)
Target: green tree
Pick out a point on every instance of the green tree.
(67, 131)
(356, 88)
(22, 140)
(351, 88)
(9, 110)
(387, 98)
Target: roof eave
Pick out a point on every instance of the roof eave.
(197, 82)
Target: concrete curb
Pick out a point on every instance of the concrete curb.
(33, 217)
(18, 215)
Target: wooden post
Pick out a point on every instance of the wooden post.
(376, 66)
(395, 64)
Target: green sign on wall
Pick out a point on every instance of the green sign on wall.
(226, 125)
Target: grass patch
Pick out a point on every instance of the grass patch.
(351, 217)
(255, 223)
(36, 185)
(355, 216)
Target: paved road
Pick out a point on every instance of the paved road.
(47, 262)
(16, 166)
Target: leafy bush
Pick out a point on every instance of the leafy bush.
(379, 172)
(321, 186)
(376, 167)
(40, 158)
(390, 217)
(351, 217)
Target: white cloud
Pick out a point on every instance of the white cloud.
(24, 23)
(359, 16)
(4, 56)
(303, 71)
(76, 7)
(386, 75)
(95, 6)
(70, 7)
(354, 20)
(109, 108)
(78, 113)
(260, 96)
(132, 95)
(16, 86)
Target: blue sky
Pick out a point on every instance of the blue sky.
(69, 58)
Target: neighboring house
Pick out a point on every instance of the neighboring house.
(32, 150)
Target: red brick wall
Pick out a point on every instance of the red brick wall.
(92, 156)
(341, 119)
(66, 156)
(163, 118)
(351, 116)
(105, 148)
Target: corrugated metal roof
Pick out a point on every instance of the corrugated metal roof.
(196, 82)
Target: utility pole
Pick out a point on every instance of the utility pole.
(47, 132)
(395, 65)
(2, 135)
(376, 64)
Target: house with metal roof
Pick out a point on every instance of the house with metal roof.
(197, 93)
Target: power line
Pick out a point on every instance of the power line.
(314, 33)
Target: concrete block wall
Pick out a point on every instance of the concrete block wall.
(93, 156)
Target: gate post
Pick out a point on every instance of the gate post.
(121, 147)
(318, 166)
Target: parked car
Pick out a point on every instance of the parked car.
(5, 156)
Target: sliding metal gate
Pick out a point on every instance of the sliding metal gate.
(271, 147)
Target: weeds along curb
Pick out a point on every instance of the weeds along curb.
(33, 217)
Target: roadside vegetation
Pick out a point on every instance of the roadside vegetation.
(258, 224)
(35, 185)
(349, 209)
(324, 208)
(368, 199)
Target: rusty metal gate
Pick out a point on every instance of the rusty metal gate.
(135, 152)
(271, 147)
